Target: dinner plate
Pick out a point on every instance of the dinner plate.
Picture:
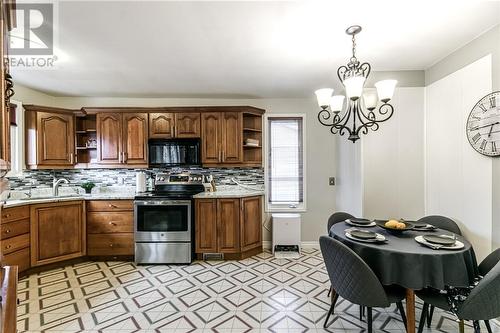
(457, 246)
(371, 224)
(363, 234)
(358, 221)
(378, 239)
(423, 226)
(439, 239)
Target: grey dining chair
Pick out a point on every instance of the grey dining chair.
(444, 223)
(335, 218)
(353, 280)
(483, 303)
(441, 222)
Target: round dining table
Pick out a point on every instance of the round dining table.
(402, 261)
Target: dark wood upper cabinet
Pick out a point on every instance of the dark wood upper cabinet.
(161, 125)
(135, 138)
(50, 140)
(232, 142)
(55, 139)
(187, 125)
(211, 137)
(109, 138)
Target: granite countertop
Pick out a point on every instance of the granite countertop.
(231, 191)
(19, 198)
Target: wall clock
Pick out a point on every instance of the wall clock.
(483, 125)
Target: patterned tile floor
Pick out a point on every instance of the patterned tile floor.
(259, 294)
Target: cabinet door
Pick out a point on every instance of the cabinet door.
(161, 125)
(232, 142)
(109, 138)
(135, 138)
(206, 225)
(55, 138)
(228, 225)
(251, 223)
(211, 137)
(57, 232)
(187, 125)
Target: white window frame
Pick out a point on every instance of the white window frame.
(285, 208)
(17, 169)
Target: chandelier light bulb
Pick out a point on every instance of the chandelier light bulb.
(385, 89)
(337, 103)
(370, 99)
(354, 87)
(323, 95)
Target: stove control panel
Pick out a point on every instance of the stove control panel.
(180, 178)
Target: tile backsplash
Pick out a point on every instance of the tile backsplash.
(121, 177)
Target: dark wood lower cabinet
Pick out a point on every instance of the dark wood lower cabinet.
(57, 232)
(232, 226)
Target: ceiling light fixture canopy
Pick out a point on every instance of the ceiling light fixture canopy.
(361, 113)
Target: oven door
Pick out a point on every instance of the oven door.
(162, 221)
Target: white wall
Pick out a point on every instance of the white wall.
(320, 143)
(458, 179)
(393, 167)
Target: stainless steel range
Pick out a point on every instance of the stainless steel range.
(164, 220)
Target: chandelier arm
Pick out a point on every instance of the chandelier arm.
(342, 126)
(324, 115)
(386, 110)
(341, 73)
(365, 69)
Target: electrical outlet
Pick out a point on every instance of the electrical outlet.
(331, 181)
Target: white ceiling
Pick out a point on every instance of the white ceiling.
(245, 49)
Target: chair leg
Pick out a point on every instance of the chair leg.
(461, 326)
(335, 296)
(429, 316)
(329, 291)
(402, 313)
(488, 327)
(369, 319)
(477, 328)
(361, 312)
(423, 316)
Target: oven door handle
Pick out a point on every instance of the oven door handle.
(162, 202)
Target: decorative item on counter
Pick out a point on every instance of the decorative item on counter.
(88, 186)
(91, 143)
(140, 182)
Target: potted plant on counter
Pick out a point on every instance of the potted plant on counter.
(88, 186)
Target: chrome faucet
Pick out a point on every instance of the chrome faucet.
(55, 185)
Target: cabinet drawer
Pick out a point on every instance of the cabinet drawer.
(109, 205)
(19, 258)
(15, 243)
(15, 213)
(110, 244)
(110, 222)
(12, 229)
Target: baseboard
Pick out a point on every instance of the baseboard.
(310, 244)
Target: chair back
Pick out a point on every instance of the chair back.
(337, 218)
(350, 276)
(489, 262)
(442, 222)
(483, 302)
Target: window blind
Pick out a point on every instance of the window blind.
(285, 160)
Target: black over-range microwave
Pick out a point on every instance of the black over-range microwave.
(174, 152)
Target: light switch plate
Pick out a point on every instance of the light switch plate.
(331, 181)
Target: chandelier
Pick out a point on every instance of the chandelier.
(361, 113)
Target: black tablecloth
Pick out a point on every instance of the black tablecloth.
(405, 262)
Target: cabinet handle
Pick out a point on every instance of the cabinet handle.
(112, 223)
(125, 155)
(112, 206)
(8, 247)
(223, 155)
(6, 216)
(71, 158)
(111, 245)
(7, 231)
